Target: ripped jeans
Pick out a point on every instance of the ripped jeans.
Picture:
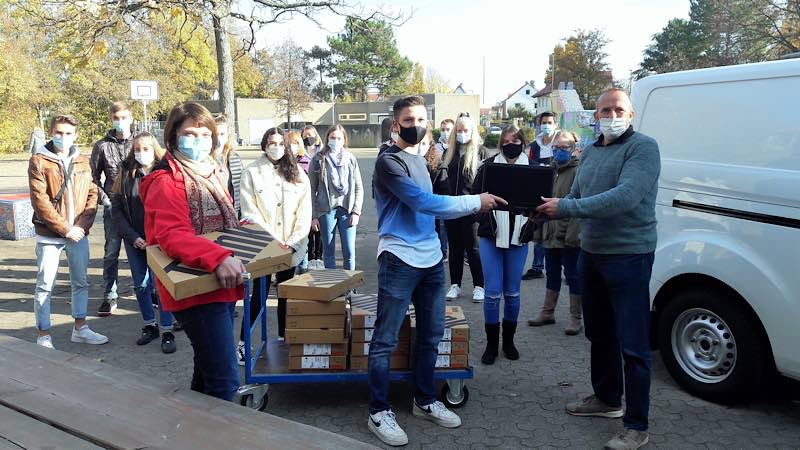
(502, 274)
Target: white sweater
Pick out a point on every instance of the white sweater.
(280, 207)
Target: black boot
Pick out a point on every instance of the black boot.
(509, 329)
(492, 341)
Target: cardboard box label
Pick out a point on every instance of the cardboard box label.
(318, 350)
(444, 347)
(321, 285)
(310, 307)
(259, 252)
(317, 363)
(451, 361)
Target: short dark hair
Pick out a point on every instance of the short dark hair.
(63, 119)
(407, 102)
(546, 114)
(450, 121)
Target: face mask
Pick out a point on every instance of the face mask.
(144, 158)
(463, 137)
(335, 145)
(221, 142)
(413, 135)
(512, 151)
(309, 141)
(394, 136)
(294, 148)
(613, 128)
(121, 126)
(196, 149)
(444, 136)
(63, 143)
(275, 152)
(548, 129)
(561, 156)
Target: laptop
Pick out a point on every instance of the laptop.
(521, 186)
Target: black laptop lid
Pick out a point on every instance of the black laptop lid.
(522, 186)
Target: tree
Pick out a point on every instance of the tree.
(322, 56)
(417, 83)
(521, 112)
(435, 82)
(291, 79)
(582, 60)
(679, 46)
(88, 25)
(365, 56)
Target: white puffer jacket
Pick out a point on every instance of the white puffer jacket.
(282, 208)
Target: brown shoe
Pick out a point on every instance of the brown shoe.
(575, 325)
(547, 314)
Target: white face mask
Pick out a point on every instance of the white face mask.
(463, 137)
(144, 158)
(335, 144)
(294, 148)
(445, 136)
(275, 152)
(395, 136)
(613, 127)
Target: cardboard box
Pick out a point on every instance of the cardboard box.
(456, 327)
(365, 334)
(16, 213)
(259, 252)
(362, 348)
(362, 318)
(321, 285)
(453, 348)
(318, 350)
(317, 363)
(452, 361)
(315, 336)
(315, 321)
(309, 307)
(398, 361)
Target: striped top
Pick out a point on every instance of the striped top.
(235, 167)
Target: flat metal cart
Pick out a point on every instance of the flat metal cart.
(273, 368)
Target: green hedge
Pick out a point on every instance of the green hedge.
(490, 141)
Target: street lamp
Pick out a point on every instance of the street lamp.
(333, 107)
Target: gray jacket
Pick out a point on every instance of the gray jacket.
(322, 196)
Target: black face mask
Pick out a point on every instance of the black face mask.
(413, 135)
(309, 141)
(512, 151)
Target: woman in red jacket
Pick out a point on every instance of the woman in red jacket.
(184, 197)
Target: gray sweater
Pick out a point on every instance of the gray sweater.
(614, 195)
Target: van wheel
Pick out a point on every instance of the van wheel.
(711, 346)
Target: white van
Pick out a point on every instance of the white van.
(726, 278)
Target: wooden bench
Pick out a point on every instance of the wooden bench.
(53, 399)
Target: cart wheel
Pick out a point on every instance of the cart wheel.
(249, 402)
(453, 399)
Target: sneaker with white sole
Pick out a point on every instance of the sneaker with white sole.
(453, 293)
(628, 440)
(45, 341)
(478, 294)
(240, 353)
(437, 413)
(385, 427)
(87, 336)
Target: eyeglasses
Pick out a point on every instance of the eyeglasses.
(563, 148)
(463, 114)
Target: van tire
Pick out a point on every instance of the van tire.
(713, 329)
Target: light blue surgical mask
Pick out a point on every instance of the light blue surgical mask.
(194, 148)
(121, 126)
(60, 143)
(548, 129)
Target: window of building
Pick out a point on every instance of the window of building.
(527, 92)
(352, 117)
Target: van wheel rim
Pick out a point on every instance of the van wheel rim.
(703, 345)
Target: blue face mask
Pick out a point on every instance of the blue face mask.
(196, 149)
(121, 126)
(562, 156)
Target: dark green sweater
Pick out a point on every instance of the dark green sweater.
(614, 195)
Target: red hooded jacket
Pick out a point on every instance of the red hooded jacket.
(167, 223)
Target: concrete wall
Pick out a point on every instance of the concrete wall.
(449, 106)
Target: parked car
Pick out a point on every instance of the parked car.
(726, 280)
(495, 130)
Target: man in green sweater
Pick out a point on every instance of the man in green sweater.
(614, 197)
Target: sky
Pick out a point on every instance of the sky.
(516, 37)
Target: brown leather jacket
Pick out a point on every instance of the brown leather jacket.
(45, 176)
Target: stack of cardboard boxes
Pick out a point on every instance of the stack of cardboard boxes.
(316, 318)
(363, 313)
(454, 346)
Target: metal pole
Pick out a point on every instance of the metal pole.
(483, 92)
(333, 107)
(144, 106)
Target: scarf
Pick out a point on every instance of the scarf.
(339, 172)
(210, 206)
(503, 218)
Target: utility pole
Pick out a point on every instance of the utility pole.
(483, 91)
(333, 107)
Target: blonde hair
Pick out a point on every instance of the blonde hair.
(313, 129)
(293, 137)
(472, 149)
(222, 121)
(566, 135)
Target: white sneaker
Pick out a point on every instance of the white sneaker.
(45, 341)
(478, 294)
(87, 336)
(384, 425)
(437, 413)
(453, 293)
(240, 353)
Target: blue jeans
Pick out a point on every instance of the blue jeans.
(210, 330)
(441, 230)
(111, 249)
(143, 286)
(538, 257)
(398, 285)
(616, 313)
(328, 223)
(502, 272)
(555, 259)
(47, 260)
